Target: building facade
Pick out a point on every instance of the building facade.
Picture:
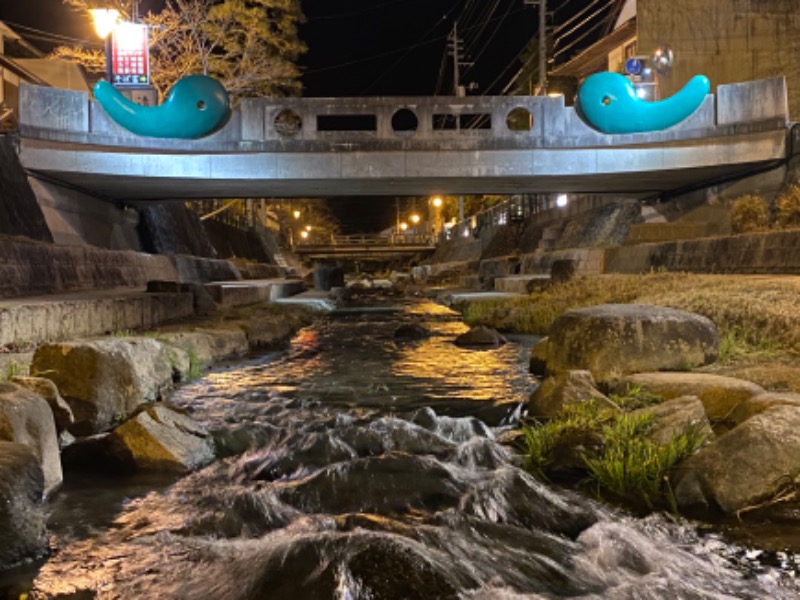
(729, 41)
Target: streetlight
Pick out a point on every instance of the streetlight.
(304, 234)
(437, 201)
(415, 218)
(562, 200)
(105, 20)
(296, 214)
(403, 226)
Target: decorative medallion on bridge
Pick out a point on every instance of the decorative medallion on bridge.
(195, 107)
(608, 101)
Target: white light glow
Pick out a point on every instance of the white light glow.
(561, 200)
(437, 201)
(105, 20)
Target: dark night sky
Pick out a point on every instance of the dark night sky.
(370, 48)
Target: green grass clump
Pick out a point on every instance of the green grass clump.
(195, 366)
(629, 465)
(635, 397)
(10, 371)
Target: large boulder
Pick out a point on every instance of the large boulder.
(720, 395)
(745, 466)
(677, 416)
(104, 380)
(480, 337)
(558, 391)
(538, 361)
(48, 390)
(156, 439)
(612, 340)
(161, 439)
(755, 405)
(22, 515)
(26, 418)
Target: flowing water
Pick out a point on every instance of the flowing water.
(364, 467)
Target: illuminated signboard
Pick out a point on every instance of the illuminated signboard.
(130, 58)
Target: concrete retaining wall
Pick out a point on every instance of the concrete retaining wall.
(60, 319)
(29, 268)
(770, 252)
(588, 261)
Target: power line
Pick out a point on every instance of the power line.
(41, 34)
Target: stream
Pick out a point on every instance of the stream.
(360, 466)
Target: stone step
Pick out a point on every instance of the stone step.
(237, 293)
(26, 321)
(520, 284)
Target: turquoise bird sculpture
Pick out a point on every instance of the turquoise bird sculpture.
(195, 107)
(608, 101)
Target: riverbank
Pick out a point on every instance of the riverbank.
(755, 315)
(712, 437)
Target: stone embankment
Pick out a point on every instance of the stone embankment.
(752, 450)
(101, 404)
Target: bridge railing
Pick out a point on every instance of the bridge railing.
(403, 123)
(362, 240)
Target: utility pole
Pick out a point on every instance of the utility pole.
(542, 4)
(456, 49)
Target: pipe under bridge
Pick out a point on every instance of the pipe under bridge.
(300, 147)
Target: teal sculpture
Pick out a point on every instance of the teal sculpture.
(196, 106)
(609, 103)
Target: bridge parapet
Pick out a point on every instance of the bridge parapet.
(401, 123)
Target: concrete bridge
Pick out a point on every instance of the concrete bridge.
(365, 246)
(294, 147)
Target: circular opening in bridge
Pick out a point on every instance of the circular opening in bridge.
(288, 122)
(606, 100)
(404, 120)
(520, 119)
(201, 105)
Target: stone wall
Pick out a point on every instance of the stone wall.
(173, 228)
(727, 40)
(19, 212)
(29, 268)
(769, 252)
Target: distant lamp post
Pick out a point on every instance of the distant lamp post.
(304, 234)
(561, 200)
(415, 218)
(403, 226)
(308, 227)
(105, 20)
(437, 202)
(296, 214)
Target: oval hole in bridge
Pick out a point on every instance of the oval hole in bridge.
(201, 105)
(520, 119)
(287, 122)
(404, 120)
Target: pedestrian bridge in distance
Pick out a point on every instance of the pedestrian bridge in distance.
(364, 246)
(295, 147)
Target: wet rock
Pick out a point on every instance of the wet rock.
(612, 340)
(155, 439)
(22, 516)
(558, 391)
(720, 395)
(677, 416)
(482, 453)
(394, 482)
(104, 381)
(48, 390)
(267, 333)
(757, 404)
(745, 466)
(538, 361)
(160, 439)
(480, 337)
(232, 441)
(399, 435)
(26, 418)
(411, 331)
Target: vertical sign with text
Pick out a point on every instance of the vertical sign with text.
(130, 57)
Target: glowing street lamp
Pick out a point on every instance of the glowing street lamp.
(437, 202)
(561, 200)
(296, 214)
(403, 226)
(304, 234)
(308, 227)
(415, 218)
(105, 20)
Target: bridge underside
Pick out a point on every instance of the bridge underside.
(636, 170)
